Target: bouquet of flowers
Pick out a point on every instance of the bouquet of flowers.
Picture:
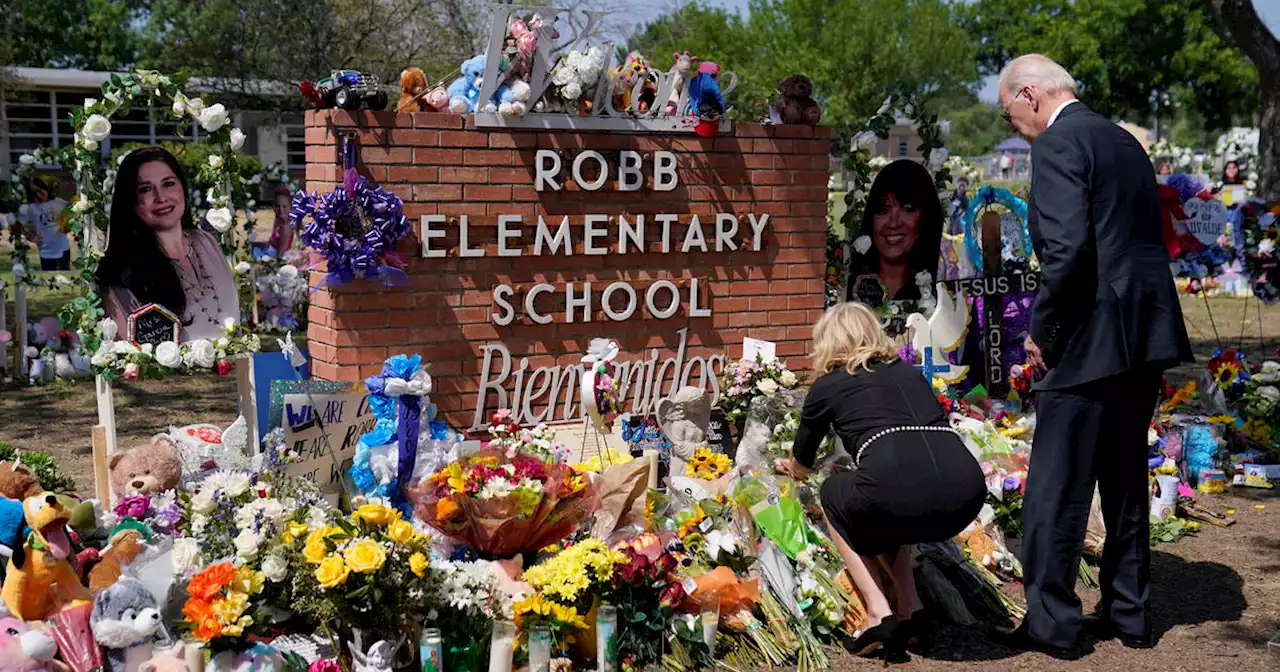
(161, 512)
(707, 465)
(1229, 371)
(219, 606)
(646, 590)
(566, 586)
(469, 598)
(779, 444)
(1260, 235)
(745, 379)
(284, 290)
(369, 570)
(508, 498)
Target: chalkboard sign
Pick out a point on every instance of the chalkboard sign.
(153, 324)
(718, 434)
(869, 291)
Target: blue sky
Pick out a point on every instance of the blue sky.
(1269, 10)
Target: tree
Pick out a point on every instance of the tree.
(976, 127)
(86, 34)
(856, 53)
(1256, 41)
(1132, 58)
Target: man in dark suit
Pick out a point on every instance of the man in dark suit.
(1105, 326)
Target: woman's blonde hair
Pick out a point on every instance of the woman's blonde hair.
(848, 336)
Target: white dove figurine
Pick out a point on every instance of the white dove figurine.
(942, 333)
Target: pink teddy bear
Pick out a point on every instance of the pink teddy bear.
(25, 650)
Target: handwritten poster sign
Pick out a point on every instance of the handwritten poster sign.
(153, 324)
(1207, 220)
(718, 434)
(754, 348)
(309, 417)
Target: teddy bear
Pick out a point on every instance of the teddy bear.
(795, 104)
(146, 469)
(25, 650)
(464, 92)
(18, 482)
(519, 105)
(413, 86)
(39, 577)
(125, 619)
(683, 68)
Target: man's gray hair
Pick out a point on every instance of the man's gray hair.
(1038, 71)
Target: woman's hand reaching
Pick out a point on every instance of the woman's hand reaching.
(790, 467)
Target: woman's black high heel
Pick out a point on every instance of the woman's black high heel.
(874, 638)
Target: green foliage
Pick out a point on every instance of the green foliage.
(1008, 513)
(1169, 531)
(42, 465)
(975, 129)
(855, 53)
(84, 34)
(1135, 58)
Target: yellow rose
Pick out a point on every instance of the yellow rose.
(376, 514)
(230, 608)
(365, 556)
(315, 552)
(332, 572)
(294, 532)
(248, 581)
(401, 532)
(418, 564)
(237, 629)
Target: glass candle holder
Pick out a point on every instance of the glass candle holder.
(539, 649)
(431, 650)
(606, 638)
(502, 647)
(710, 618)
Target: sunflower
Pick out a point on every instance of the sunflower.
(1227, 374)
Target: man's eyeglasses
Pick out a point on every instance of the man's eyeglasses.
(1008, 117)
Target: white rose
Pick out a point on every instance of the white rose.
(124, 348)
(243, 267)
(90, 102)
(223, 342)
(97, 128)
(214, 117)
(108, 328)
(862, 244)
(147, 348)
(82, 205)
(186, 555)
(237, 139)
(229, 324)
(215, 161)
(767, 387)
(90, 145)
(168, 355)
(1266, 246)
(27, 160)
(202, 502)
(865, 140)
(247, 543)
(200, 354)
(219, 219)
(788, 379)
(275, 568)
(179, 105)
(1269, 393)
(288, 272)
(195, 106)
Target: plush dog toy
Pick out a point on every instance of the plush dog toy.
(125, 620)
(25, 650)
(39, 576)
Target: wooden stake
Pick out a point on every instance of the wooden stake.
(20, 326)
(101, 474)
(106, 411)
(248, 401)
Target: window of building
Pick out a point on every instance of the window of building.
(902, 148)
(295, 142)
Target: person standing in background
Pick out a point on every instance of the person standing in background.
(282, 233)
(1106, 324)
(41, 219)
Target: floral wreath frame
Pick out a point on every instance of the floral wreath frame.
(90, 217)
(983, 199)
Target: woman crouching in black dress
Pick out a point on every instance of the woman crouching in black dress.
(915, 481)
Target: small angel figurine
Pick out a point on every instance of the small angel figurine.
(684, 418)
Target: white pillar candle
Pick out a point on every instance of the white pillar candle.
(502, 647)
(652, 457)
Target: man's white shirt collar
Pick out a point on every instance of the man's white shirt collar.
(1058, 111)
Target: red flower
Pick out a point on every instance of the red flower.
(224, 367)
(665, 564)
(671, 596)
(635, 569)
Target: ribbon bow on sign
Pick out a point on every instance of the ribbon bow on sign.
(417, 386)
(405, 381)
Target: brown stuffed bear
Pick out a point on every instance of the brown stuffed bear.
(413, 87)
(146, 469)
(17, 482)
(795, 104)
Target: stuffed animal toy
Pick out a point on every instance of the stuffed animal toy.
(413, 88)
(17, 482)
(683, 69)
(25, 650)
(795, 104)
(40, 576)
(464, 92)
(436, 100)
(625, 77)
(125, 620)
(127, 543)
(13, 529)
(259, 658)
(172, 660)
(705, 99)
(519, 105)
(149, 468)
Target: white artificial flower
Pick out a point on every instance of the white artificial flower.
(229, 324)
(96, 128)
(229, 483)
(275, 568)
(247, 543)
(186, 555)
(179, 105)
(865, 140)
(243, 267)
(862, 244)
(27, 160)
(82, 205)
(108, 328)
(112, 97)
(90, 145)
(718, 541)
(1270, 373)
(124, 348)
(200, 354)
(202, 502)
(195, 106)
(215, 161)
(223, 342)
(147, 348)
(767, 387)
(1152, 436)
(103, 356)
(214, 117)
(90, 102)
(237, 139)
(288, 272)
(1270, 393)
(219, 219)
(168, 355)
(1266, 246)
(788, 378)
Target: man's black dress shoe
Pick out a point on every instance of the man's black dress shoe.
(1020, 639)
(1101, 629)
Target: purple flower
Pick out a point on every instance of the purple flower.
(907, 353)
(133, 506)
(168, 517)
(1011, 483)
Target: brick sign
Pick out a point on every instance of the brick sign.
(529, 243)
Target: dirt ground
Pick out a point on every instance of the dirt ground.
(1216, 596)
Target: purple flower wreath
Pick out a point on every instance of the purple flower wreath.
(356, 229)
